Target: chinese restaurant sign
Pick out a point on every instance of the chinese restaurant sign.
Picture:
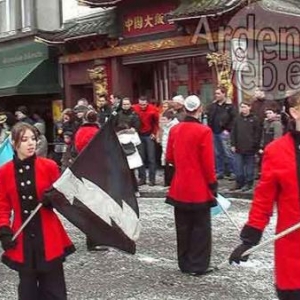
(147, 21)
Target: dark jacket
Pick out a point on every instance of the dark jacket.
(128, 117)
(221, 117)
(104, 114)
(245, 134)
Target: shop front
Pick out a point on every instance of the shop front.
(29, 76)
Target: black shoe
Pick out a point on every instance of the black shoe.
(230, 177)
(236, 187)
(97, 248)
(247, 188)
(141, 182)
(151, 183)
(220, 176)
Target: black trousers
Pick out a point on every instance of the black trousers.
(193, 229)
(288, 294)
(43, 285)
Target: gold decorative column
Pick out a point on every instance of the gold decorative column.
(98, 75)
(222, 64)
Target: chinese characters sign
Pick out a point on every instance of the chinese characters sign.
(147, 21)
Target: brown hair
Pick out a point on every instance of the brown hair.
(222, 88)
(294, 100)
(19, 130)
(246, 102)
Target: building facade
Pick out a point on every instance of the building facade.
(29, 71)
(159, 49)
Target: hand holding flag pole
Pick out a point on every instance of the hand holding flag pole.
(33, 213)
(262, 245)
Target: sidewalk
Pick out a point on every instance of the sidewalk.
(159, 191)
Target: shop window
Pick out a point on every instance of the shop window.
(6, 25)
(202, 80)
(27, 14)
(180, 73)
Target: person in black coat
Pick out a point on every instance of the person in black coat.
(103, 109)
(126, 115)
(245, 141)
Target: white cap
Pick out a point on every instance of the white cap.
(191, 103)
(179, 99)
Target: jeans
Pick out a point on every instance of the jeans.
(223, 153)
(147, 150)
(244, 168)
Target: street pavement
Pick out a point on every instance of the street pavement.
(152, 273)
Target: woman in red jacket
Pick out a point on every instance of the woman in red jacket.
(83, 136)
(39, 251)
(280, 185)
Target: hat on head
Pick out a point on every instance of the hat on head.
(191, 103)
(178, 99)
(80, 108)
(23, 109)
(3, 118)
(68, 133)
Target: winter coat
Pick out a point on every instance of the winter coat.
(190, 150)
(131, 136)
(272, 130)
(166, 127)
(4, 133)
(279, 186)
(22, 184)
(259, 107)
(220, 117)
(42, 146)
(128, 117)
(245, 134)
(84, 135)
(104, 114)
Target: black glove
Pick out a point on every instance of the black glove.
(237, 254)
(7, 242)
(47, 200)
(214, 188)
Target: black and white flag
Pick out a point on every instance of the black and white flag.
(96, 193)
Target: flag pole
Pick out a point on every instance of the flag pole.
(263, 245)
(33, 213)
(229, 217)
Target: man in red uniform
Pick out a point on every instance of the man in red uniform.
(149, 117)
(193, 188)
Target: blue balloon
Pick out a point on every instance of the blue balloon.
(6, 152)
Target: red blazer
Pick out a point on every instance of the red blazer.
(190, 150)
(279, 185)
(84, 135)
(56, 241)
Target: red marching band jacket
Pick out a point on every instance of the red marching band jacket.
(279, 185)
(190, 150)
(56, 241)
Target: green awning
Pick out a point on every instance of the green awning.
(31, 78)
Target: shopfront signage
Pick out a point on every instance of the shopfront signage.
(22, 53)
(147, 21)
